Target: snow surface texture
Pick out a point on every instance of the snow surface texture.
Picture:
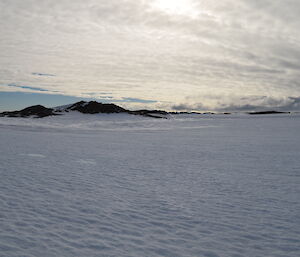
(123, 185)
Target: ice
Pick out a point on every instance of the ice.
(125, 185)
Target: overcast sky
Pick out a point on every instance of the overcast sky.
(169, 54)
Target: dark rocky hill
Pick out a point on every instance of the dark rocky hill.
(95, 107)
(92, 107)
(37, 111)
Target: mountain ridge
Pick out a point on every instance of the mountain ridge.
(94, 107)
(91, 107)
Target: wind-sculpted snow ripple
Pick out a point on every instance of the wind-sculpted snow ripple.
(227, 187)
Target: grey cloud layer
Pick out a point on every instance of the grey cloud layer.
(243, 104)
(244, 48)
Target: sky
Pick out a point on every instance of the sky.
(229, 55)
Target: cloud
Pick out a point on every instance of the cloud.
(132, 49)
(243, 104)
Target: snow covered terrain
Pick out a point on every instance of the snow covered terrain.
(125, 185)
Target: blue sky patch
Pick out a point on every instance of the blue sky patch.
(137, 100)
(28, 87)
(10, 101)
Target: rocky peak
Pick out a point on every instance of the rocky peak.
(38, 111)
(93, 107)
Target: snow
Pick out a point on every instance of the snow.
(62, 107)
(125, 185)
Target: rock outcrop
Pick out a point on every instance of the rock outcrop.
(36, 111)
(94, 107)
(151, 113)
(266, 112)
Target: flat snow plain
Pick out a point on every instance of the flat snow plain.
(121, 185)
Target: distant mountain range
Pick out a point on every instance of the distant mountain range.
(93, 107)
